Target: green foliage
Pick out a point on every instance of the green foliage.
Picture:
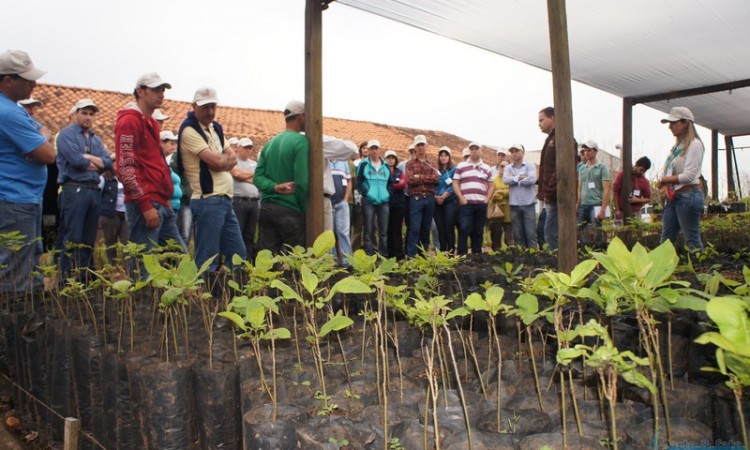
(508, 272)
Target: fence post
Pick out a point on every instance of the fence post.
(72, 427)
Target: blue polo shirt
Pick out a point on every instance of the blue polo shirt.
(21, 181)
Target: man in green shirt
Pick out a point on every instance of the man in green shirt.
(282, 178)
(594, 188)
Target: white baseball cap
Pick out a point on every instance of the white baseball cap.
(151, 80)
(517, 147)
(85, 103)
(30, 101)
(246, 142)
(16, 62)
(420, 139)
(474, 144)
(678, 113)
(205, 95)
(159, 115)
(167, 135)
(293, 108)
(591, 144)
(444, 148)
(373, 143)
(391, 153)
(503, 150)
(465, 152)
(234, 141)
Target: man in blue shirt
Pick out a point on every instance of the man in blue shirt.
(81, 158)
(24, 154)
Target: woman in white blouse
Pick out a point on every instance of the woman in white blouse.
(680, 184)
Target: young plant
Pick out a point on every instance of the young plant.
(732, 317)
(609, 363)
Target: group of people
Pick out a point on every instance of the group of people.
(157, 187)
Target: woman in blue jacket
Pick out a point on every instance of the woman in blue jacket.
(446, 207)
(374, 183)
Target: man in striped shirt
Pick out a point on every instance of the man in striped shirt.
(473, 186)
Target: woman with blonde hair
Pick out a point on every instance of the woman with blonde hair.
(680, 184)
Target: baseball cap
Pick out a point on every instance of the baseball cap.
(234, 141)
(159, 115)
(591, 144)
(373, 143)
(16, 62)
(517, 147)
(420, 139)
(30, 101)
(444, 148)
(151, 80)
(678, 113)
(465, 152)
(294, 108)
(167, 135)
(85, 103)
(391, 153)
(503, 150)
(411, 148)
(474, 144)
(246, 142)
(205, 95)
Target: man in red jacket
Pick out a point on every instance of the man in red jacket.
(142, 169)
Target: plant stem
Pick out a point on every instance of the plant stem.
(460, 386)
(738, 399)
(533, 367)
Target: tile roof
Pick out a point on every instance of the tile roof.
(257, 124)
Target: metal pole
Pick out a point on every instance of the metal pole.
(715, 164)
(627, 157)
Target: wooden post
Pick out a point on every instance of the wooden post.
(627, 157)
(567, 183)
(70, 436)
(715, 164)
(314, 115)
(729, 145)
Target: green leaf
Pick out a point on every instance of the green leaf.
(458, 312)
(475, 302)
(566, 355)
(280, 333)
(235, 318)
(171, 295)
(122, 285)
(324, 243)
(350, 285)
(309, 279)
(337, 323)
(664, 262)
(581, 271)
(187, 270)
(638, 379)
(286, 291)
(256, 316)
(731, 316)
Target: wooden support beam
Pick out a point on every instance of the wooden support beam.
(70, 433)
(627, 157)
(314, 115)
(715, 164)
(691, 92)
(729, 145)
(567, 183)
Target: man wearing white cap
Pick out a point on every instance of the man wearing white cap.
(473, 186)
(283, 178)
(594, 187)
(207, 160)
(142, 169)
(520, 176)
(24, 155)
(246, 195)
(421, 179)
(81, 157)
(31, 105)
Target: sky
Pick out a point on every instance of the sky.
(374, 69)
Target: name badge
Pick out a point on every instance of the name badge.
(636, 192)
(344, 182)
(592, 185)
(449, 181)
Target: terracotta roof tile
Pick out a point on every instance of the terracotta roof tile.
(257, 124)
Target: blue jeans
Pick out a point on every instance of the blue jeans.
(421, 210)
(371, 213)
(523, 219)
(151, 237)
(80, 214)
(341, 227)
(18, 262)
(684, 214)
(217, 231)
(185, 222)
(586, 216)
(445, 219)
(550, 225)
(471, 220)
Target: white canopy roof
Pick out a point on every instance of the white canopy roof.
(631, 48)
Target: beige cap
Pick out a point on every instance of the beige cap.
(678, 113)
(246, 142)
(293, 108)
(30, 101)
(205, 95)
(16, 62)
(373, 143)
(85, 103)
(159, 115)
(420, 139)
(167, 135)
(151, 80)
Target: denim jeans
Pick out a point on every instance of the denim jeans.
(17, 263)
(446, 216)
(523, 219)
(151, 237)
(421, 210)
(395, 228)
(217, 231)
(550, 225)
(540, 223)
(341, 227)
(684, 214)
(185, 222)
(247, 211)
(280, 226)
(586, 216)
(471, 220)
(80, 212)
(371, 213)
